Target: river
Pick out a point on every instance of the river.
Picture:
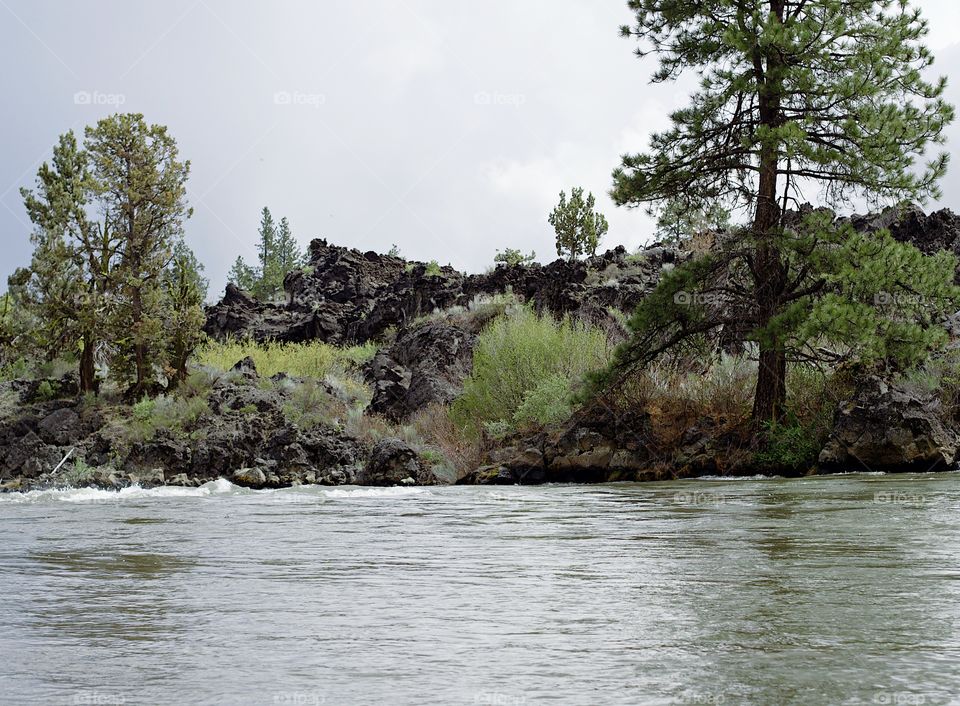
(823, 590)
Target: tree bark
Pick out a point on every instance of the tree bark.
(769, 272)
(88, 372)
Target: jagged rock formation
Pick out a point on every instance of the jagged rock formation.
(425, 365)
(346, 296)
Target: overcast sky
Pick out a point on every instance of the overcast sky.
(447, 127)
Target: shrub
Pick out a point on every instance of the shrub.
(179, 415)
(79, 473)
(310, 406)
(515, 355)
(790, 445)
(547, 403)
(296, 359)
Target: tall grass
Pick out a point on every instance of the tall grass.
(519, 353)
(304, 360)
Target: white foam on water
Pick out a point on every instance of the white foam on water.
(361, 493)
(220, 486)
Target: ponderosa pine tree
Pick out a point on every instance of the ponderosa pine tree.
(139, 183)
(794, 94)
(288, 255)
(242, 275)
(679, 218)
(578, 226)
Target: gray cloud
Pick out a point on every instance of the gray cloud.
(446, 128)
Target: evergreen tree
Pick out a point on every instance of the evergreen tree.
(242, 275)
(793, 94)
(578, 226)
(278, 252)
(264, 286)
(513, 257)
(681, 218)
(140, 184)
(186, 290)
(71, 277)
(289, 256)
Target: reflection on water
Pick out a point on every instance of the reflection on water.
(810, 591)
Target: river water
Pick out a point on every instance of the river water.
(833, 590)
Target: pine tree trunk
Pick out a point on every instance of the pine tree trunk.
(769, 272)
(88, 373)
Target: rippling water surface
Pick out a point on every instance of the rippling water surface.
(765, 591)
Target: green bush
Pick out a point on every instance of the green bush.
(790, 445)
(303, 360)
(180, 415)
(547, 403)
(519, 353)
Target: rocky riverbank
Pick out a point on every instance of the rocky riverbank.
(265, 432)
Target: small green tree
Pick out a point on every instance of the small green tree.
(578, 226)
(186, 290)
(264, 286)
(242, 275)
(512, 257)
(288, 254)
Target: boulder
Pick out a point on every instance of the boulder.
(425, 365)
(884, 427)
(61, 427)
(393, 462)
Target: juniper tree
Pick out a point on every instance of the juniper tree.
(71, 276)
(139, 183)
(185, 288)
(578, 226)
(793, 95)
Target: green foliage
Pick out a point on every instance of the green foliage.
(789, 446)
(311, 405)
(547, 403)
(278, 253)
(185, 289)
(98, 290)
(433, 269)
(242, 275)
(514, 356)
(394, 251)
(681, 217)
(79, 474)
(175, 413)
(512, 257)
(304, 360)
(578, 226)
(796, 95)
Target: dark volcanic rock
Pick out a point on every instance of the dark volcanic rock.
(346, 296)
(886, 428)
(393, 462)
(425, 365)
